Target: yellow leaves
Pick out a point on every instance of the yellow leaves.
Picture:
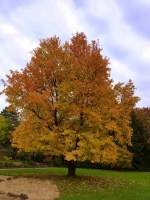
(99, 149)
(124, 157)
(112, 126)
(93, 118)
(71, 155)
(35, 98)
(102, 149)
(69, 140)
(30, 136)
(69, 104)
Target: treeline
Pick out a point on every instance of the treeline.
(140, 148)
(141, 138)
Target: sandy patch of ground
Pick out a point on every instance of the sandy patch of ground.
(12, 188)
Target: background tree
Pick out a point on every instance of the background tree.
(68, 104)
(4, 131)
(9, 120)
(141, 137)
(11, 116)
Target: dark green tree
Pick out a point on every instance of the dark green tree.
(12, 117)
(141, 137)
(9, 120)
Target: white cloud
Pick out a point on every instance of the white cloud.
(7, 29)
(146, 53)
(27, 23)
(122, 35)
(47, 17)
(147, 2)
(15, 46)
(21, 31)
(121, 71)
(119, 32)
(3, 103)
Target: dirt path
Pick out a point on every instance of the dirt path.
(12, 188)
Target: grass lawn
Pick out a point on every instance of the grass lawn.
(92, 184)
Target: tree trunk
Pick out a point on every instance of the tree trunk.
(72, 168)
(73, 164)
(55, 117)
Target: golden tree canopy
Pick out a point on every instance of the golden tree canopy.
(68, 103)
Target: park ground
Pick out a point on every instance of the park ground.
(89, 183)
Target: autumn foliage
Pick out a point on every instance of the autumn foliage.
(69, 105)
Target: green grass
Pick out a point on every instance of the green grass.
(92, 184)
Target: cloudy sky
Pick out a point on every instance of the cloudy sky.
(122, 27)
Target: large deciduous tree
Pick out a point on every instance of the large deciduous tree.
(69, 105)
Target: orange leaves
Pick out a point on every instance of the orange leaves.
(97, 147)
(69, 104)
(112, 126)
(32, 136)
